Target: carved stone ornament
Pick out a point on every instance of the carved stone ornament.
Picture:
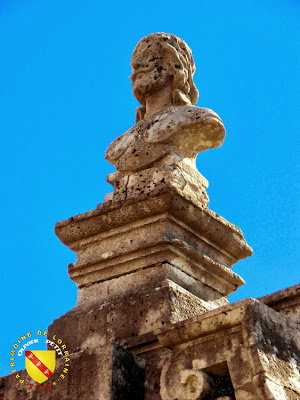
(240, 348)
(195, 383)
(161, 149)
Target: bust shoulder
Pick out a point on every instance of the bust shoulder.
(175, 118)
(185, 130)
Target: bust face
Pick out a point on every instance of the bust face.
(150, 71)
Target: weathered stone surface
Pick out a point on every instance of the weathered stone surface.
(89, 377)
(274, 343)
(116, 240)
(161, 149)
(141, 282)
(256, 346)
(157, 213)
(154, 365)
(128, 375)
(286, 302)
(245, 351)
(180, 178)
(125, 318)
(178, 132)
(156, 60)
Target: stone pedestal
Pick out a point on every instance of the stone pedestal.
(120, 238)
(144, 264)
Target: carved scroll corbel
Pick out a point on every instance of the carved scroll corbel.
(193, 384)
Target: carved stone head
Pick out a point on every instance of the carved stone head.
(160, 58)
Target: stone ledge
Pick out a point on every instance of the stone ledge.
(116, 241)
(142, 281)
(285, 301)
(179, 255)
(113, 215)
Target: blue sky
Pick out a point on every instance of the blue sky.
(65, 95)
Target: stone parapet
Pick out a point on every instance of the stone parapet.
(245, 351)
(285, 301)
(242, 351)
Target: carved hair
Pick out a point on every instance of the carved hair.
(181, 64)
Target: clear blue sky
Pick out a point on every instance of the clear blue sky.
(65, 95)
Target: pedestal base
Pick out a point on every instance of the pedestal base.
(120, 238)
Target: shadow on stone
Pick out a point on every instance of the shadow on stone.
(128, 375)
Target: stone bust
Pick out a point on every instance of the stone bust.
(162, 73)
(170, 131)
